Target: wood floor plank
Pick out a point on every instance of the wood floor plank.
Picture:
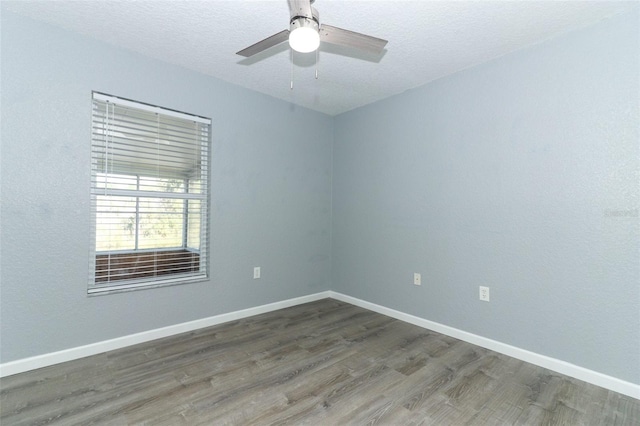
(321, 363)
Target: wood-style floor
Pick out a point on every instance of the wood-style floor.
(322, 363)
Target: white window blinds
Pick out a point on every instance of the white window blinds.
(149, 189)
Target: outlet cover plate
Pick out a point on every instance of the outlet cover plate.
(417, 279)
(256, 272)
(484, 293)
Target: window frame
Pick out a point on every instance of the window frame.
(200, 266)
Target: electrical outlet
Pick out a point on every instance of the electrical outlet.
(417, 279)
(256, 272)
(484, 293)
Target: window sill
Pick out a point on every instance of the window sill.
(144, 285)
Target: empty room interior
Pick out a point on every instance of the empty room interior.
(430, 217)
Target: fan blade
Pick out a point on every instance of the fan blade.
(300, 8)
(264, 44)
(335, 35)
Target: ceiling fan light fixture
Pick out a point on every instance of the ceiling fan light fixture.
(304, 36)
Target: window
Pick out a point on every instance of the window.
(149, 196)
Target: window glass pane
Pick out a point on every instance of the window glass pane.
(195, 186)
(113, 181)
(195, 216)
(159, 184)
(115, 223)
(161, 223)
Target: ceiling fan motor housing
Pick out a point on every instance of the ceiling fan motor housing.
(302, 21)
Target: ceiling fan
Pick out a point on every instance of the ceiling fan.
(305, 34)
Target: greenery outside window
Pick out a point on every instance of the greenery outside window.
(149, 193)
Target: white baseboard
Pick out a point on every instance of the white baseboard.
(568, 369)
(45, 360)
(581, 373)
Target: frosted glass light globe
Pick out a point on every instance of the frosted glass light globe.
(304, 39)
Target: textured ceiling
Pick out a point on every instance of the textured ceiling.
(427, 39)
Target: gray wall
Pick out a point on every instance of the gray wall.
(521, 174)
(271, 193)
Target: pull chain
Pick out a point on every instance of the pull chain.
(293, 65)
